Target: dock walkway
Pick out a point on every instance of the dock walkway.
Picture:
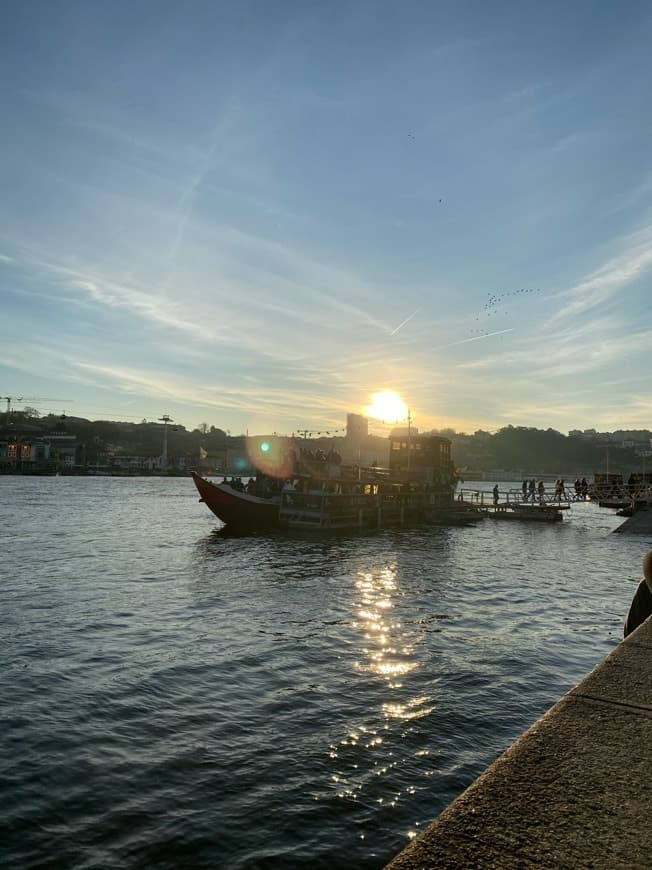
(511, 504)
(575, 790)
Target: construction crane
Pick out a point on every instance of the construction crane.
(14, 399)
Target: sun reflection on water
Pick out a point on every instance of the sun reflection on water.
(374, 760)
(385, 656)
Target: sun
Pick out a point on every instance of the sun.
(387, 406)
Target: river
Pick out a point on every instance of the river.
(171, 696)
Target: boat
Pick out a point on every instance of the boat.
(308, 490)
(235, 508)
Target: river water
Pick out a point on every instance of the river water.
(171, 696)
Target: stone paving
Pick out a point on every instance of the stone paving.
(573, 791)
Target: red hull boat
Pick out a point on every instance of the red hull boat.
(315, 492)
(237, 509)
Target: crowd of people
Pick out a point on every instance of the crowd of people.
(533, 490)
(307, 455)
(261, 485)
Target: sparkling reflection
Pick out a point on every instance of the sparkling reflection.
(387, 654)
(372, 760)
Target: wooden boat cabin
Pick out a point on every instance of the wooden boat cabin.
(417, 486)
(421, 457)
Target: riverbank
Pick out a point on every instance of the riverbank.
(573, 791)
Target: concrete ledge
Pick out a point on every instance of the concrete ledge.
(639, 523)
(574, 791)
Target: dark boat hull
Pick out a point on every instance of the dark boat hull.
(237, 510)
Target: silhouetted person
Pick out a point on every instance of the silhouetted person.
(641, 606)
(495, 490)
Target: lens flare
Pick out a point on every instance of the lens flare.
(274, 456)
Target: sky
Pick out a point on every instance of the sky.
(257, 214)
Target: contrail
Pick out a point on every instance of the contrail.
(479, 337)
(407, 320)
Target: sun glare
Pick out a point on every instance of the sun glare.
(387, 406)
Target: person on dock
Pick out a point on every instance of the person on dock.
(495, 491)
(542, 492)
(532, 489)
(524, 488)
(641, 606)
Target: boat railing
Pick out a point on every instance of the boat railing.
(514, 498)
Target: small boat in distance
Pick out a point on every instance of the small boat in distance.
(314, 491)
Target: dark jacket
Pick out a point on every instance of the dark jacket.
(640, 608)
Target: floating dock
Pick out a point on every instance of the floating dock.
(574, 791)
(511, 505)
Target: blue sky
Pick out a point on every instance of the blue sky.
(257, 214)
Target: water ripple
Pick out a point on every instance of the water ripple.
(173, 695)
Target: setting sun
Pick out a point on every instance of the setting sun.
(387, 406)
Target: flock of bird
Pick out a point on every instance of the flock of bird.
(494, 305)
(491, 308)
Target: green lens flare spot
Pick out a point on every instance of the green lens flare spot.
(264, 446)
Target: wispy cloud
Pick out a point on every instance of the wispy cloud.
(5, 259)
(593, 345)
(596, 288)
(262, 400)
(184, 205)
(146, 305)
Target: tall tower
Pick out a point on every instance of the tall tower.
(165, 419)
(357, 428)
